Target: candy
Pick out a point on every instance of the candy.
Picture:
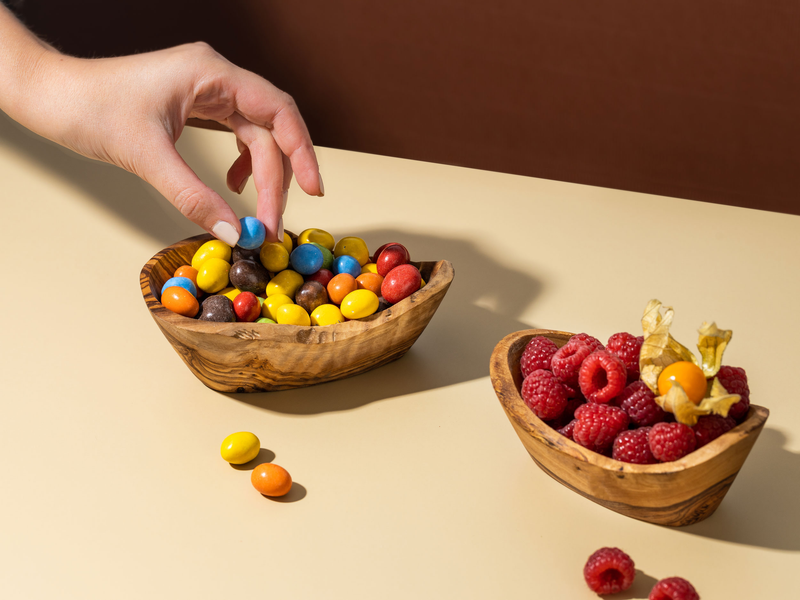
(317, 236)
(187, 271)
(292, 314)
(347, 264)
(247, 307)
(249, 276)
(218, 309)
(211, 249)
(238, 253)
(253, 233)
(183, 282)
(271, 480)
(370, 267)
(286, 282)
(400, 283)
(213, 275)
(324, 276)
(239, 448)
(264, 320)
(272, 304)
(359, 304)
(180, 300)
(310, 295)
(327, 256)
(274, 256)
(340, 286)
(370, 281)
(230, 292)
(392, 256)
(352, 246)
(326, 314)
(306, 259)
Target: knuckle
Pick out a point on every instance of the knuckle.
(191, 204)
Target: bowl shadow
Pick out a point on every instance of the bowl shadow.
(760, 508)
(454, 348)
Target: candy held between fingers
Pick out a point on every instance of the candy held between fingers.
(253, 233)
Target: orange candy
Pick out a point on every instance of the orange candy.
(341, 285)
(189, 272)
(271, 480)
(370, 281)
(181, 301)
(686, 373)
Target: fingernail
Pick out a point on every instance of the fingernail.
(244, 183)
(280, 230)
(321, 186)
(225, 232)
(285, 198)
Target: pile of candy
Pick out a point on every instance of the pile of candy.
(310, 280)
(638, 399)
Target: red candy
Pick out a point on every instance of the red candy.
(393, 255)
(400, 283)
(247, 307)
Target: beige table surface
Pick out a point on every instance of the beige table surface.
(410, 482)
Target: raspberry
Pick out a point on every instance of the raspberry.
(673, 588)
(627, 346)
(588, 340)
(639, 402)
(632, 447)
(537, 355)
(671, 441)
(734, 380)
(597, 425)
(568, 414)
(567, 429)
(710, 427)
(543, 394)
(602, 376)
(566, 362)
(608, 571)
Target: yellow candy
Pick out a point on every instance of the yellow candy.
(317, 236)
(355, 247)
(274, 257)
(239, 448)
(326, 314)
(286, 282)
(271, 305)
(287, 242)
(211, 249)
(213, 275)
(292, 314)
(369, 268)
(359, 304)
(230, 292)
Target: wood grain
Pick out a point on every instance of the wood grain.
(257, 357)
(675, 494)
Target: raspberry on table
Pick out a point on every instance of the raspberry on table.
(710, 427)
(734, 380)
(537, 355)
(588, 340)
(597, 425)
(608, 571)
(566, 362)
(673, 588)
(543, 394)
(602, 376)
(628, 347)
(631, 446)
(639, 402)
(671, 441)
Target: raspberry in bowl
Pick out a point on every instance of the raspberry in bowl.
(675, 493)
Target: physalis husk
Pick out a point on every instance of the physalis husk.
(660, 349)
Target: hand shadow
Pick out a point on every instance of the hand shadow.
(760, 509)
(454, 348)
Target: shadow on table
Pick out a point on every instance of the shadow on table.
(480, 308)
(761, 507)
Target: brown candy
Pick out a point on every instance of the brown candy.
(249, 276)
(238, 253)
(310, 295)
(218, 309)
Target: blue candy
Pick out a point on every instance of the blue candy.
(306, 259)
(347, 264)
(253, 233)
(183, 282)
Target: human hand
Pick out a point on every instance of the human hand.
(130, 111)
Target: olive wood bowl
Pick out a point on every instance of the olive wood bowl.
(258, 357)
(675, 494)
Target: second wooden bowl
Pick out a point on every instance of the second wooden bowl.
(676, 493)
(257, 357)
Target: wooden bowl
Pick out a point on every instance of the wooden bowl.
(676, 493)
(257, 357)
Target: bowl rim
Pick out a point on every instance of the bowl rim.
(502, 378)
(442, 274)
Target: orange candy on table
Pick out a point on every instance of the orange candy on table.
(370, 281)
(181, 301)
(271, 480)
(341, 285)
(688, 375)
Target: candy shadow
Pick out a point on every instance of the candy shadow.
(263, 456)
(454, 348)
(298, 492)
(760, 509)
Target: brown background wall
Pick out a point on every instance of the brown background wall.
(697, 99)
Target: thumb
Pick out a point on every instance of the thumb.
(174, 179)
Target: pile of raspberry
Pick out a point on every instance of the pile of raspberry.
(592, 394)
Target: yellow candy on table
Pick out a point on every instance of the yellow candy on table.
(352, 246)
(292, 314)
(370, 267)
(359, 304)
(212, 276)
(274, 257)
(211, 249)
(286, 282)
(230, 292)
(239, 448)
(317, 236)
(271, 305)
(326, 314)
